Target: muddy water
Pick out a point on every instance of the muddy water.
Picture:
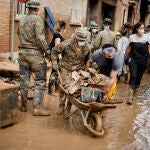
(126, 127)
(141, 124)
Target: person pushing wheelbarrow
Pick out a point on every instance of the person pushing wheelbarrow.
(108, 63)
(76, 53)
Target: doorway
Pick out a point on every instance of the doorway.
(108, 11)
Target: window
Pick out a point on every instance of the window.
(21, 10)
(76, 12)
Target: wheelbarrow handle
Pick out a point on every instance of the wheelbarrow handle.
(61, 83)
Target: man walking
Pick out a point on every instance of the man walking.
(33, 49)
(106, 36)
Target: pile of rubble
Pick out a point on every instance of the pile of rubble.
(90, 78)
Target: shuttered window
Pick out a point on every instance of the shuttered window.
(21, 10)
(76, 12)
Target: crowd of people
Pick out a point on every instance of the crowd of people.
(111, 57)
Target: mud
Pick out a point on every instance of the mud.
(126, 127)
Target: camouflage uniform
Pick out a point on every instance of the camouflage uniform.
(104, 37)
(72, 60)
(33, 48)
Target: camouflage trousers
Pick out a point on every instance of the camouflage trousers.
(65, 75)
(37, 65)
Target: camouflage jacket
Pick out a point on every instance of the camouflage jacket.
(104, 37)
(71, 59)
(31, 35)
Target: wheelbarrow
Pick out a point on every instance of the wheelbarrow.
(91, 112)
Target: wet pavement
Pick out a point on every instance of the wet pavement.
(126, 127)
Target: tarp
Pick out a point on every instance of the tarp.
(50, 19)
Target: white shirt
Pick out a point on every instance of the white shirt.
(122, 44)
(134, 38)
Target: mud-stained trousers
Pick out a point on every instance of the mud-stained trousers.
(32, 64)
(65, 75)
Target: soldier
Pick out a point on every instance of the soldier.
(76, 52)
(106, 36)
(33, 49)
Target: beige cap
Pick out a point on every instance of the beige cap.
(80, 34)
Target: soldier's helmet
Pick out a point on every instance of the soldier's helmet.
(107, 21)
(33, 4)
(80, 34)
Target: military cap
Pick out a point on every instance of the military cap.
(80, 34)
(127, 25)
(33, 4)
(107, 20)
(93, 25)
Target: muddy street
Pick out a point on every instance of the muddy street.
(126, 127)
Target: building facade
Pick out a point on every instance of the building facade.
(74, 12)
(120, 11)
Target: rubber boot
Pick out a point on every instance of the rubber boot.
(118, 77)
(50, 87)
(39, 111)
(126, 78)
(130, 94)
(23, 106)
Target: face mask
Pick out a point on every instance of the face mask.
(81, 43)
(94, 30)
(141, 31)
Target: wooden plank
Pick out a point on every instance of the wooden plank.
(6, 65)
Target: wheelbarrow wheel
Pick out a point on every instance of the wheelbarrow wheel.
(95, 121)
(94, 124)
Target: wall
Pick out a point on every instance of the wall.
(4, 25)
(61, 11)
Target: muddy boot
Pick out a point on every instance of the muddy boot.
(126, 78)
(61, 110)
(68, 108)
(118, 77)
(39, 111)
(23, 106)
(130, 100)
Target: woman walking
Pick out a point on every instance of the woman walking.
(137, 52)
